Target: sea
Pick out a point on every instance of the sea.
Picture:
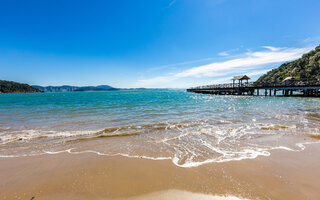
(187, 128)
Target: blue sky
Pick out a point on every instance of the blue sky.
(151, 43)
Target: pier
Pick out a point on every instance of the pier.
(241, 86)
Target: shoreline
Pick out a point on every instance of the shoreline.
(282, 175)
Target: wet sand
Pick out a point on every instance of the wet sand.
(283, 175)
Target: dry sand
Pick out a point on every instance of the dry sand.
(283, 175)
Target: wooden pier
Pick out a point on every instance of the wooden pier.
(288, 87)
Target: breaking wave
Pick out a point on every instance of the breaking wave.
(189, 129)
(186, 144)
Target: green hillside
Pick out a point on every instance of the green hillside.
(305, 68)
(14, 87)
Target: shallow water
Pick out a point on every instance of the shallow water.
(190, 129)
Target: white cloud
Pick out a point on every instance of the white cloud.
(224, 53)
(228, 78)
(272, 48)
(272, 55)
(259, 72)
(246, 61)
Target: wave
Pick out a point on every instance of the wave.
(105, 135)
(247, 154)
(188, 144)
(27, 135)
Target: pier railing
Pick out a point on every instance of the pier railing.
(301, 82)
(226, 85)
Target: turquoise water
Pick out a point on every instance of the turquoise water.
(190, 129)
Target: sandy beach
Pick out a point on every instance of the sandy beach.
(283, 175)
(160, 100)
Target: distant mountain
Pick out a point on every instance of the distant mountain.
(305, 68)
(143, 89)
(96, 88)
(68, 88)
(14, 87)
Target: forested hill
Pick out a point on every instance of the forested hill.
(305, 68)
(14, 87)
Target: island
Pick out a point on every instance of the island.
(14, 87)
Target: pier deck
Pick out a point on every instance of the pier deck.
(293, 88)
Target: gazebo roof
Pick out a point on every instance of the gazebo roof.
(241, 77)
(288, 79)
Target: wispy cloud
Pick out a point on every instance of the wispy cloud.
(243, 62)
(179, 64)
(224, 53)
(228, 52)
(312, 40)
(271, 55)
(172, 2)
(273, 48)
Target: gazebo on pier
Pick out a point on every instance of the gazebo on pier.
(288, 81)
(240, 79)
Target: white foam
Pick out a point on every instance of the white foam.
(248, 154)
(189, 147)
(253, 155)
(227, 156)
(183, 195)
(34, 134)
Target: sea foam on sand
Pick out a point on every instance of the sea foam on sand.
(183, 195)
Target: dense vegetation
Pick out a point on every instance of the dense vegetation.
(306, 68)
(14, 87)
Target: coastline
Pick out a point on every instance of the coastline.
(282, 175)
